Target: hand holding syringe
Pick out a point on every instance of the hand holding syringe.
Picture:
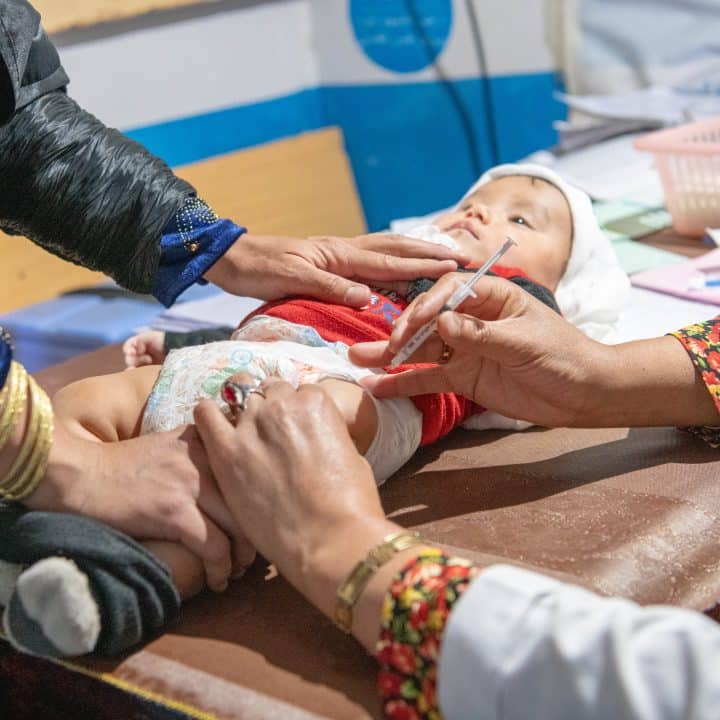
(463, 291)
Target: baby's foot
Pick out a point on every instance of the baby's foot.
(53, 611)
(145, 348)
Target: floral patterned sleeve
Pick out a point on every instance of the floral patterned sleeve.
(415, 611)
(702, 343)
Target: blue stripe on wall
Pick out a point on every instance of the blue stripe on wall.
(201, 136)
(406, 142)
(525, 109)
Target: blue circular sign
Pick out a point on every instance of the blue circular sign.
(401, 35)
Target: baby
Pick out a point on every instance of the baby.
(560, 249)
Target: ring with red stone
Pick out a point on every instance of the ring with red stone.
(236, 394)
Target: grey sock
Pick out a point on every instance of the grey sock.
(52, 611)
(131, 589)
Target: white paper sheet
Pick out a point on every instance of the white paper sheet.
(609, 170)
(662, 105)
(650, 314)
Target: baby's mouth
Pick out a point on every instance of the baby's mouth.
(469, 226)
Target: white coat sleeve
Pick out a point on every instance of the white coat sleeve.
(520, 645)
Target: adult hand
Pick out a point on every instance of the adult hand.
(527, 363)
(297, 486)
(152, 487)
(328, 268)
(514, 355)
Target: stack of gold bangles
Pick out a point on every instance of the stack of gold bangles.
(29, 465)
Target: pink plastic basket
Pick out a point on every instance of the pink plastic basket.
(688, 160)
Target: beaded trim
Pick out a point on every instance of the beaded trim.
(194, 213)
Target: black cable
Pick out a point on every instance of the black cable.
(450, 89)
(485, 76)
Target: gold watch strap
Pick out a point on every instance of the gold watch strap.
(352, 587)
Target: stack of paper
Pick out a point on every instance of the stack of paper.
(662, 106)
(609, 170)
(634, 257)
(584, 132)
(697, 280)
(596, 118)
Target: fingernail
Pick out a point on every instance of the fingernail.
(452, 323)
(356, 295)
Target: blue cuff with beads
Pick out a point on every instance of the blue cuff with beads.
(193, 241)
(6, 356)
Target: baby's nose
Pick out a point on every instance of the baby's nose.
(480, 211)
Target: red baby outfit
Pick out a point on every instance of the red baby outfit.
(440, 412)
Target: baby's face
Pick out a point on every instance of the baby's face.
(531, 211)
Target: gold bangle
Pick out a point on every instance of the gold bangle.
(14, 401)
(28, 442)
(34, 471)
(40, 457)
(29, 466)
(352, 587)
(7, 398)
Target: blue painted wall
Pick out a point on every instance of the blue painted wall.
(407, 145)
(198, 137)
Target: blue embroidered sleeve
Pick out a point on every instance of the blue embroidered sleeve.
(193, 241)
(6, 356)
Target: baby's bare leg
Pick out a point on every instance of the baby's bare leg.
(108, 409)
(358, 409)
(186, 569)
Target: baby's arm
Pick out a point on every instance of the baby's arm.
(152, 346)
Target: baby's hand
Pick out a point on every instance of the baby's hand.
(145, 348)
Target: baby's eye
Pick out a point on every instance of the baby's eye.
(519, 220)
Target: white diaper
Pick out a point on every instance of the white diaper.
(270, 347)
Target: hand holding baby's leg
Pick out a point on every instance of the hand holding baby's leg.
(145, 348)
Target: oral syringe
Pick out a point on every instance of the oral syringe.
(461, 293)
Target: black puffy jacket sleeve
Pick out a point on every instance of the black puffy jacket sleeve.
(29, 64)
(79, 189)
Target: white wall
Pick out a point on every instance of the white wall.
(513, 32)
(187, 67)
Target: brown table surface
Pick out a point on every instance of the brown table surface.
(669, 240)
(624, 512)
